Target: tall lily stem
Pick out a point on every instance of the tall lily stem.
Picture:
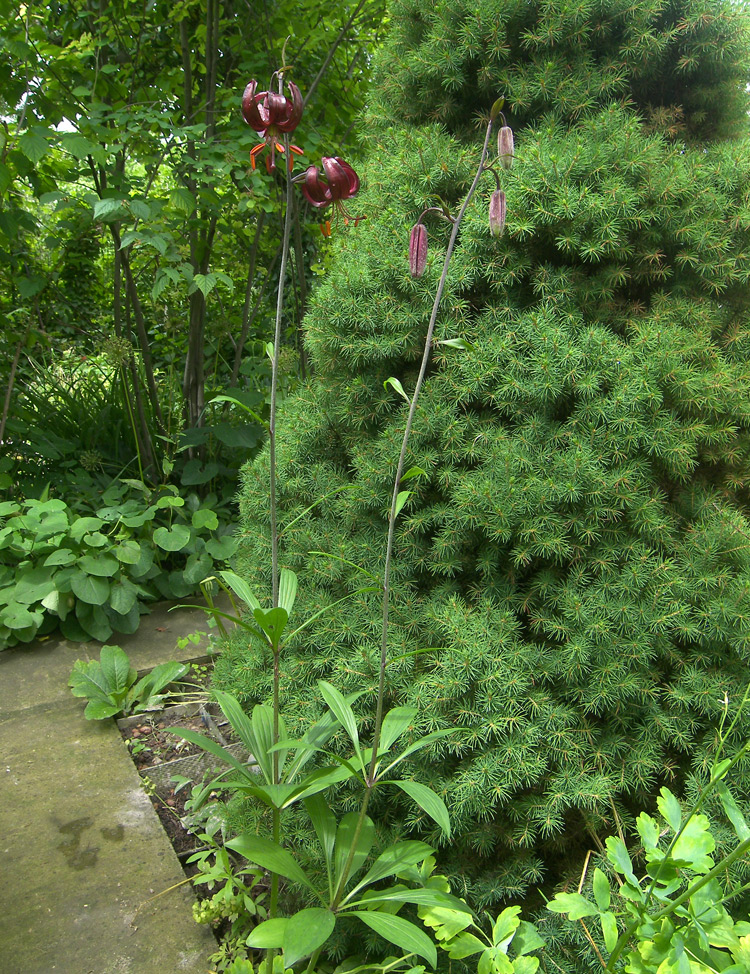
(371, 777)
(402, 455)
(272, 473)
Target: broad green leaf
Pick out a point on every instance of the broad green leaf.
(260, 736)
(222, 548)
(733, 812)
(455, 343)
(395, 384)
(445, 923)
(423, 898)
(89, 588)
(172, 539)
(204, 519)
(525, 965)
(609, 930)
(617, 854)
(272, 622)
(670, 809)
(601, 889)
(104, 565)
(98, 710)
(267, 854)
(695, 843)
(128, 552)
(527, 938)
(400, 932)
(268, 935)
(505, 926)
(34, 146)
(428, 801)
(342, 711)
(648, 829)
(287, 590)
(108, 209)
(395, 722)
(182, 199)
(116, 668)
(576, 906)
(123, 596)
(494, 961)
(305, 932)
(465, 945)
(344, 844)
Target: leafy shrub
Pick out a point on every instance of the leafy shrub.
(92, 574)
(570, 583)
(111, 685)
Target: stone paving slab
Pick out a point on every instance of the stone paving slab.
(83, 851)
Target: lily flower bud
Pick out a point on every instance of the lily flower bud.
(418, 250)
(505, 146)
(497, 213)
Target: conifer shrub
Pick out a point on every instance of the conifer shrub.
(571, 585)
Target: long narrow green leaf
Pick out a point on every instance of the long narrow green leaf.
(421, 897)
(428, 801)
(269, 855)
(351, 564)
(287, 590)
(324, 823)
(733, 812)
(243, 728)
(327, 608)
(422, 742)
(400, 932)
(343, 713)
(213, 748)
(392, 860)
(344, 842)
(240, 588)
(395, 722)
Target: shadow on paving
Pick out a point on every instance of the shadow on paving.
(84, 854)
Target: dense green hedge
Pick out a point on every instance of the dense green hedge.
(575, 564)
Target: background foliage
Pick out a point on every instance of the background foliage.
(574, 568)
(138, 251)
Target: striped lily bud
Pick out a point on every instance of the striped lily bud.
(418, 250)
(497, 213)
(505, 146)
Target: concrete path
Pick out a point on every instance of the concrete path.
(83, 852)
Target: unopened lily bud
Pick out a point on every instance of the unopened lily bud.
(418, 250)
(505, 146)
(497, 213)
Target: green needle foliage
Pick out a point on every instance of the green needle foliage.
(570, 583)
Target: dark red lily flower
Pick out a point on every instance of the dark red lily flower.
(337, 183)
(272, 114)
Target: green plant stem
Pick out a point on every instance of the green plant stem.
(352, 848)
(272, 435)
(625, 936)
(402, 454)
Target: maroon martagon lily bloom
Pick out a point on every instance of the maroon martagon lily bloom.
(271, 115)
(337, 183)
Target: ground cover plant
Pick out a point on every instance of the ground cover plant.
(569, 584)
